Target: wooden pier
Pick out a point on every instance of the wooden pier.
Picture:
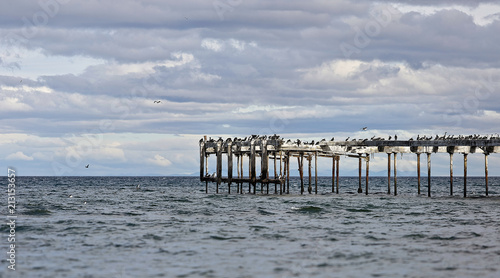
(276, 149)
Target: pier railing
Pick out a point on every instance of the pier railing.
(282, 151)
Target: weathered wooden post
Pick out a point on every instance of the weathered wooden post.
(281, 173)
(275, 174)
(333, 174)
(242, 173)
(203, 154)
(486, 171)
(253, 174)
(418, 173)
(309, 188)
(250, 171)
(300, 159)
(367, 172)
(360, 190)
(451, 174)
(337, 174)
(264, 164)
(287, 160)
(238, 172)
(428, 174)
(316, 172)
(219, 164)
(229, 164)
(388, 173)
(465, 175)
(395, 175)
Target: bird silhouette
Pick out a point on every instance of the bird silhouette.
(87, 166)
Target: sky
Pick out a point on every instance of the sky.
(79, 79)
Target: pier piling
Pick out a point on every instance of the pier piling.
(360, 190)
(465, 175)
(388, 173)
(486, 172)
(428, 174)
(451, 174)
(395, 176)
(418, 173)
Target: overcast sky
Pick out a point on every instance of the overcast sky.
(79, 79)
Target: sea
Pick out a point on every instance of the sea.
(169, 227)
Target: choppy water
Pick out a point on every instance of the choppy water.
(171, 228)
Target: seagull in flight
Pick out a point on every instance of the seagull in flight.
(87, 166)
(157, 101)
(364, 128)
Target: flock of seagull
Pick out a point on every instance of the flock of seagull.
(495, 136)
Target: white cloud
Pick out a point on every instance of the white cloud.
(160, 161)
(19, 156)
(114, 68)
(218, 45)
(212, 44)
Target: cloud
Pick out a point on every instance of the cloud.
(263, 67)
(160, 161)
(19, 156)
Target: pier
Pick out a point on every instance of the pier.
(283, 152)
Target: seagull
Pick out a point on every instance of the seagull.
(365, 128)
(87, 166)
(186, 18)
(138, 186)
(157, 101)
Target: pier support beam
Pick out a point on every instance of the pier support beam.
(360, 190)
(337, 175)
(253, 173)
(264, 165)
(465, 175)
(229, 165)
(486, 172)
(309, 188)
(389, 173)
(333, 174)
(219, 164)
(301, 172)
(315, 172)
(281, 173)
(241, 173)
(367, 172)
(287, 173)
(203, 158)
(451, 174)
(395, 175)
(275, 174)
(418, 173)
(428, 174)
(238, 173)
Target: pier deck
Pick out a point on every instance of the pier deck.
(280, 151)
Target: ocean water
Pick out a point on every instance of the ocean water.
(169, 227)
